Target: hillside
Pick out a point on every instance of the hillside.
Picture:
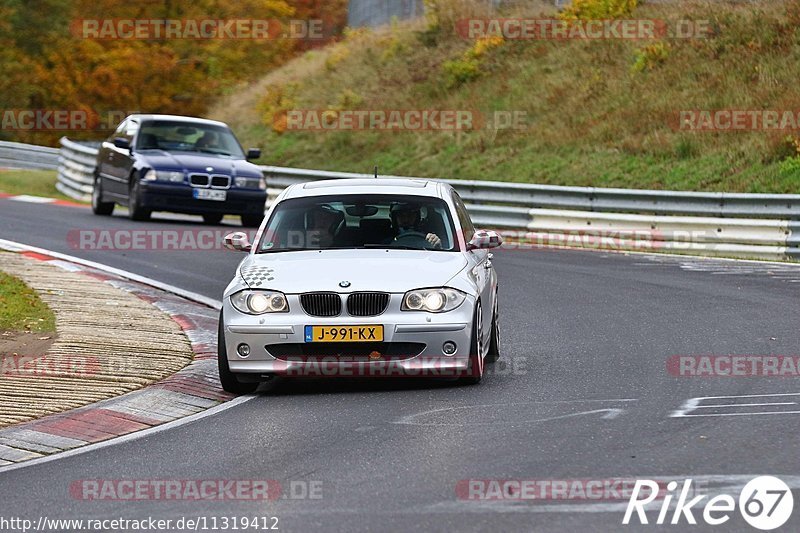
(598, 112)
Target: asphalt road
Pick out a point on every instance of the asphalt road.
(583, 393)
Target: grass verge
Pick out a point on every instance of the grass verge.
(33, 182)
(21, 309)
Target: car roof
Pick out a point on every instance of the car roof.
(399, 186)
(177, 118)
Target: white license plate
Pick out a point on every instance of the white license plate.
(210, 194)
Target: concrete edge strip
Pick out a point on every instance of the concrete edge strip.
(12, 246)
(131, 436)
(41, 200)
(190, 394)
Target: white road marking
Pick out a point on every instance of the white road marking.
(610, 413)
(694, 404)
(744, 405)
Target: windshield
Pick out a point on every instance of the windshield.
(357, 221)
(188, 137)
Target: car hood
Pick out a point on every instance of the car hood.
(197, 162)
(393, 271)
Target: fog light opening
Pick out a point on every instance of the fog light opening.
(243, 350)
(449, 348)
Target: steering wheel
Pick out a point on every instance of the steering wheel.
(412, 238)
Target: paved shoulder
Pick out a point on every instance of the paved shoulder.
(128, 357)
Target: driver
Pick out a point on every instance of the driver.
(322, 223)
(208, 140)
(406, 220)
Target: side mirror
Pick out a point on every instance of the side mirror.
(121, 142)
(253, 153)
(238, 242)
(484, 239)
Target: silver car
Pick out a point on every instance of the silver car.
(360, 277)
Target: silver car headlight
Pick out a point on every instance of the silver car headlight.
(437, 300)
(260, 302)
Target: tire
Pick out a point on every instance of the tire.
(212, 219)
(135, 211)
(493, 353)
(99, 207)
(252, 221)
(476, 360)
(226, 377)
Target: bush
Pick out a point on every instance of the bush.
(275, 104)
(460, 71)
(650, 57)
(598, 9)
(468, 66)
(791, 165)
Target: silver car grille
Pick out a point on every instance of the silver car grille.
(321, 303)
(215, 181)
(367, 303)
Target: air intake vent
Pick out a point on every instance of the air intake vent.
(198, 180)
(321, 303)
(367, 303)
(220, 182)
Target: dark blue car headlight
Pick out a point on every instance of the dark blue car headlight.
(163, 175)
(251, 183)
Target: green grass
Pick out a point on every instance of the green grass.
(593, 118)
(21, 309)
(33, 182)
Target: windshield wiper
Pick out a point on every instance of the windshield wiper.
(208, 151)
(276, 250)
(393, 247)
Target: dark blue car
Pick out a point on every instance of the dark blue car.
(178, 164)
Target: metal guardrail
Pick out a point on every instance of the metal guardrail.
(765, 226)
(28, 156)
(76, 164)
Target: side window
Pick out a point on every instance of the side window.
(131, 129)
(463, 218)
(120, 131)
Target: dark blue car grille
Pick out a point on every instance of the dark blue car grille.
(198, 180)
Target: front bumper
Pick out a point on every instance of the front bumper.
(178, 198)
(412, 343)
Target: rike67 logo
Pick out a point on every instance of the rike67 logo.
(765, 503)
